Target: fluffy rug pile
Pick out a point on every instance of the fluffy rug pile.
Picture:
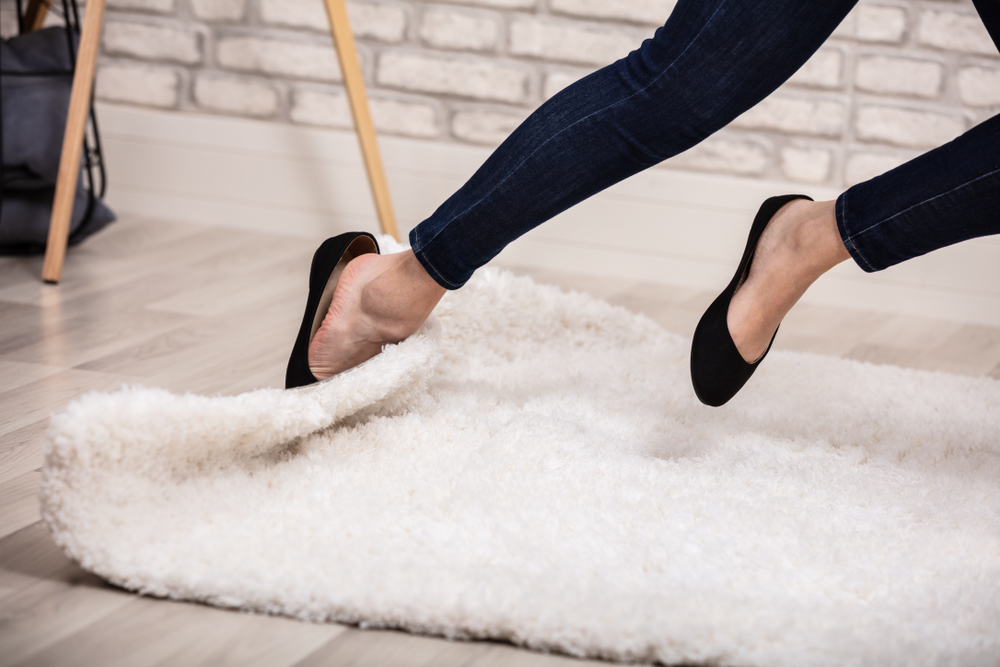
(534, 467)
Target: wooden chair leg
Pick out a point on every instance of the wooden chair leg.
(76, 124)
(34, 15)
(354, 82)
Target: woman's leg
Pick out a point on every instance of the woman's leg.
(710, 62)
(948, 195)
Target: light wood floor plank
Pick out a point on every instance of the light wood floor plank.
(36, 400)
(972, 350)
(82, 338)
(222, 294)
(129, 238)
(15, 374)
(84, 276)
(21, 451)
(917, 333)
(256, 254)
(201, 356)
(22, 324)
(509, 656)
(29, 556)
(38, 616)
(18, 503)
(883, 354)
(15, 271)
(387, 648)
(147, 632)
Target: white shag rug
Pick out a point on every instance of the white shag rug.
(536, 468)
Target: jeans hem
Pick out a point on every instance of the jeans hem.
(848, 238)
(429, 267)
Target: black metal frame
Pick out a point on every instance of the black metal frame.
(93, 155)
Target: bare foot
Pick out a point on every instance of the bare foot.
(379, 299)
(800, 244)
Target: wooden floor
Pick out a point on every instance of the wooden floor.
(209, 310)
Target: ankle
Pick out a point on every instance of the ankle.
(400, 298)
(815, 237)
(415, 275)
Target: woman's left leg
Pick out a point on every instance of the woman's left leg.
(948, 195)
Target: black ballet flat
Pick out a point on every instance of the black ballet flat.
(718, 371)
(327, 265)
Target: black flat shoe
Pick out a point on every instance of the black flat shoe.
(718, 371)
(327, 265)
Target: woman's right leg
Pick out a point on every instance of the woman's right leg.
(710, 62)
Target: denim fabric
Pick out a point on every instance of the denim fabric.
(710, 62)
(948, 195)
(945, 196)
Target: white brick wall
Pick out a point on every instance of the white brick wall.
(979, 86)
(146, 86)
(864, 166)
(219, 10)
(908, 127)
(641, 11)
(484, 127)
(380, 22)
(503, 4)
(330, 108)
(880, 23)
(897, 77)
(556, 80)
(385, 23)
(569, 43)
(294, 60)
(323, 108)
(824, 69)
(955, 32)
(161, 6)
(478, 79)
(803, 115)
(237, 96)
(746, 157)
(807, 165)
(447, 29)
(175, 43)
(412, 119)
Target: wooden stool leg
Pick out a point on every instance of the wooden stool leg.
(34, 15)
(355, 84)
(76, 123)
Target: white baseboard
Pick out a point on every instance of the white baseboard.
(664, 225)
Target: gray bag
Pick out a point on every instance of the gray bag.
(33, 106)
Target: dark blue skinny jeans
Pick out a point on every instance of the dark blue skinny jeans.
(710, 62)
